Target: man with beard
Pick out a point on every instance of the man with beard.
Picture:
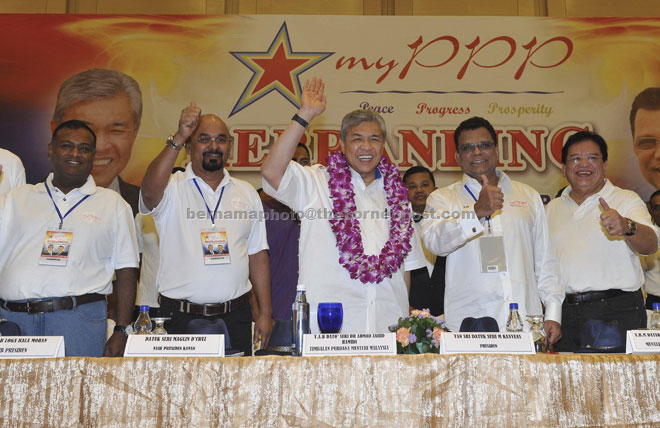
(205, 205)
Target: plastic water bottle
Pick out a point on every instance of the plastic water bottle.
(300, 318)
(655, 317)
(143, 322)
(514, 322)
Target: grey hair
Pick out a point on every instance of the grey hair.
(356, 117)
(97, 83)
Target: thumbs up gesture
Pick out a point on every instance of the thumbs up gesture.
(490, 199)
(612, 221)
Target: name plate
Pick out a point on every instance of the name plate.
(175, 345)
(349, 344)
(487, 343)
(31, 346)
(643, 342)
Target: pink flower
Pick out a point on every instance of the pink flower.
(402, 335)
(421, 314)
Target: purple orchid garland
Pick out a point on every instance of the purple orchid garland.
(346, 226)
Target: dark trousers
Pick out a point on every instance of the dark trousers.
(650, 300)
(628, 309)
(239, 324)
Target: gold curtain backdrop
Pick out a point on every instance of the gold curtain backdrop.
(402, 391)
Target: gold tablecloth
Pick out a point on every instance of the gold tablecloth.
(402, 391)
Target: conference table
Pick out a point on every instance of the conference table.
(464, 390)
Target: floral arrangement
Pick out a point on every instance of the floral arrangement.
(346, 225)
(418, 333)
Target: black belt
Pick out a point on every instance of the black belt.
(51, 305)
(588, 296)
(206, 309)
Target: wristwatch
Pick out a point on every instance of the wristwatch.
(632, 228)
(126, 329)
(170, 142)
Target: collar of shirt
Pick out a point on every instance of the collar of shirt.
(356, 178)
(89, 188)
(503, 182)
(189, 175)
(114, 185)
(604, 192)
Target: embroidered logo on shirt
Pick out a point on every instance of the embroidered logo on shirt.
(519, 204)
(91, 218)
(238, 204)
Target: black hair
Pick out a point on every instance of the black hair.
(581, 136)
(72, 124)
(471, 124)
(417, 169)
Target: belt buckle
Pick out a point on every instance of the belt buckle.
(228, 306)
(29, 307)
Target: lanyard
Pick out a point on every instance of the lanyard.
(211, 214)
(62, 217)
(475, 200)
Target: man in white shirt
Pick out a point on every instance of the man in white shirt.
(358, 263)
(598, 231)
(12, 173)
(494, 233)
(205, 206)
(64, 294)
(651, 263)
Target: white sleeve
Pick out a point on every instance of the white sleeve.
(257, 240)
(546, 263)
(446, 228)
(296, 187)
(125, 248)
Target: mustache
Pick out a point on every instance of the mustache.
(214, 152)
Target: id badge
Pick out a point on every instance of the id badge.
(56, 248)
(215, 247)
(491, 250)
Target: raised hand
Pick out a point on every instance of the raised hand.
(313, 99)
(490, 199)
(612, 221)
(188, 121)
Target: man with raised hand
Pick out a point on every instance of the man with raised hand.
(356, 240)
(598, 231)
(205, 206)
(63, 292)
(494, 233)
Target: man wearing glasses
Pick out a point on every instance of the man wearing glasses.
(598, 231)
(200, 207)
(645, 127)
(494, 233)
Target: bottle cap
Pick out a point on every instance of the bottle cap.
(656, 306)
(300, 287)
(144, 308)
(513, 306)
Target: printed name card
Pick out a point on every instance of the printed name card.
(349, 344)
(643, 342)
(487, 343)
(31, 346)
(175, 345)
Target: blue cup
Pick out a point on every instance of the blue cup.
(330, 316)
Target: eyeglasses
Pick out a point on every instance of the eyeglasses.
(220, 139)
(646, 143)
(469, 148)
(592, 159)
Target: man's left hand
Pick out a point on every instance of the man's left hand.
(262, 328)
(613, 222)
(114, 347)
(552, 330)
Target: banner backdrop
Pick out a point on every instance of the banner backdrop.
(536, 79)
